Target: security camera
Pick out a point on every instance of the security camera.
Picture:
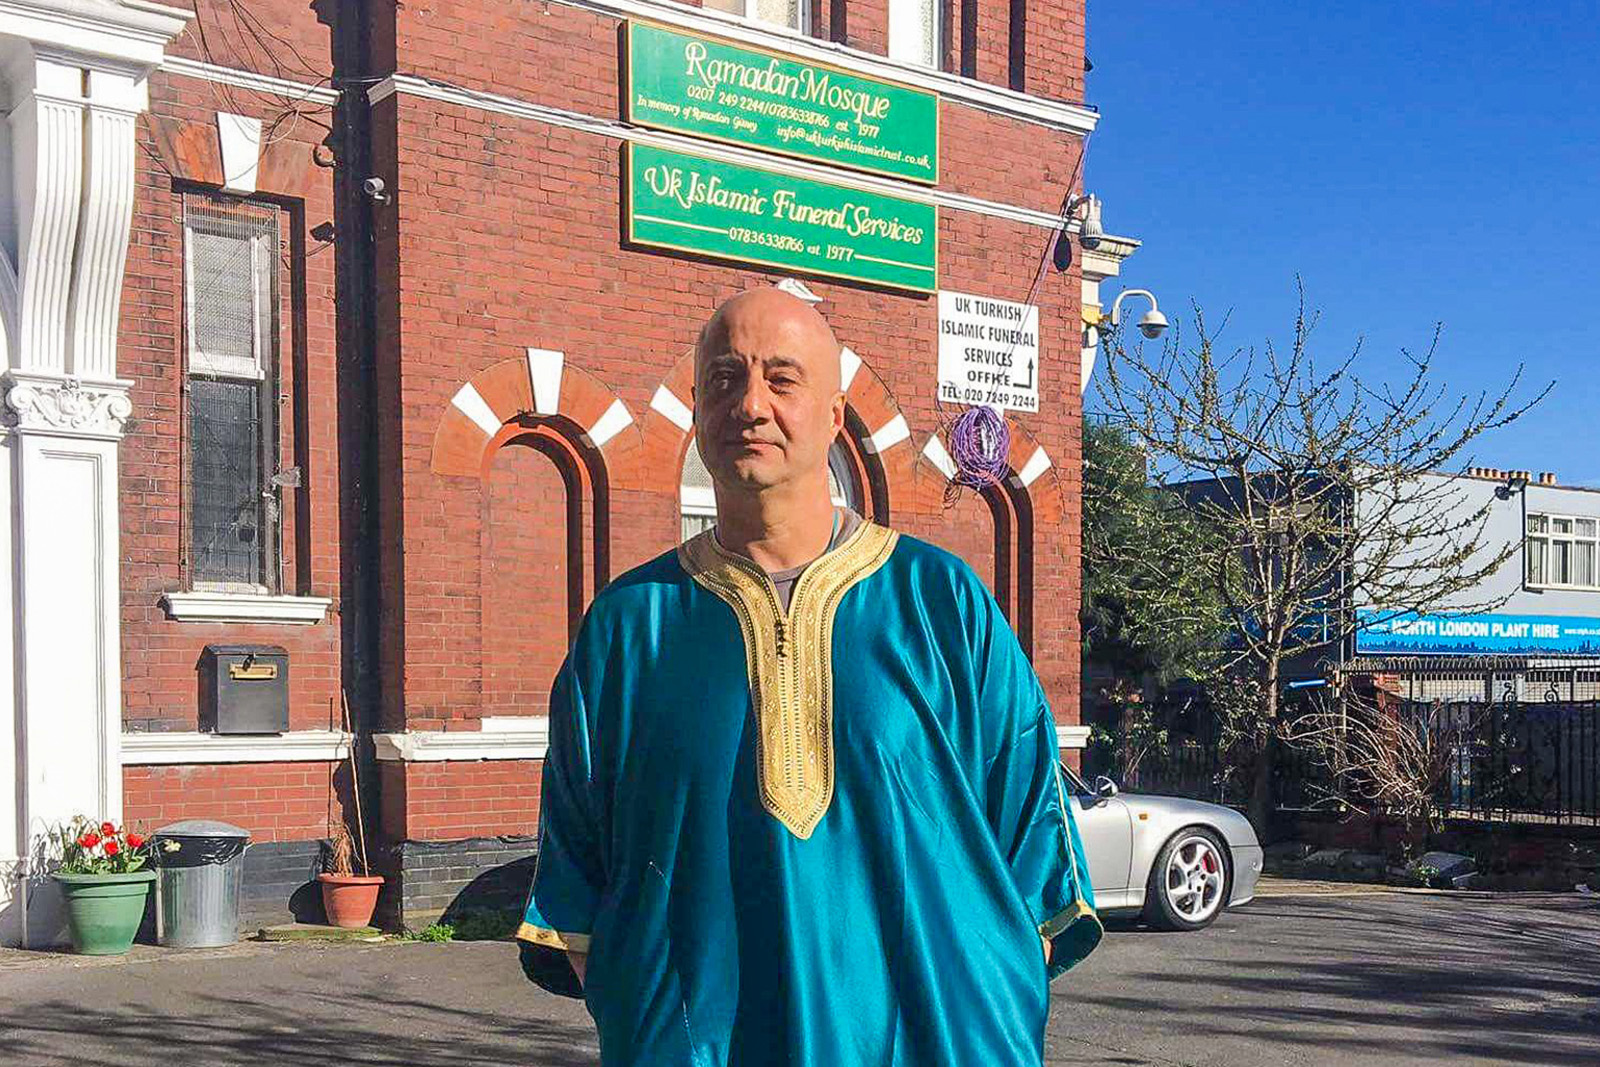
(1153, 325)
(374, 187)
(1091, 232)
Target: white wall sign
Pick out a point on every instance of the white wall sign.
(988, 352)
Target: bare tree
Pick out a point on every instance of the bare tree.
(1389, 761)
(1316, 483)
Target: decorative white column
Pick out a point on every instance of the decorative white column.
(74, 84)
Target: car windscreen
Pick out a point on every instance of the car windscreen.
(1074, 783)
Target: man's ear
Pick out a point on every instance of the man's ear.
(838, 414)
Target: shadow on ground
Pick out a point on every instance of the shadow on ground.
(371, 1023)
(1361, 979)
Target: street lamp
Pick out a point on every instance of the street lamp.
(1152, 325)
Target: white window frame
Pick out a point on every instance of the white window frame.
(264, 309)
(263, 252)
(747, 10)
(905, 37)
(1547, 537)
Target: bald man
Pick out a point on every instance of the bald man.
(801, 806)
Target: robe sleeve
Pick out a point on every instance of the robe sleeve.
(569, 875)
(1029, 812)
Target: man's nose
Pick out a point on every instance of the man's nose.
(755, 404)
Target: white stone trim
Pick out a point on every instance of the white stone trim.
(133, 33)
(672, 409)
(1071, 736)
(1037, 464)
(614, 420)
(503, 105)
(471, 403)
(544, 379)
(501, 738)
(64, 406)
(1055, 114)
(297, 746)
(849, 363)
(889, 434)
(249, 79)
(206, 606)
(239, 137)
(939, 456)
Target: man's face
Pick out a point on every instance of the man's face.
(767, 403)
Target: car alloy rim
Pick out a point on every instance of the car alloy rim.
(1194, 879)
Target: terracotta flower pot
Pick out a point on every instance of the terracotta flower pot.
(350, 898)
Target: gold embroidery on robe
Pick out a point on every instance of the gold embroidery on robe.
(789, 657)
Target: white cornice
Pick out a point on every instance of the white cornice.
(132, 34)
(429, 89)
(249, 79)
(1055, 114)
(245, 607)
(1071, 736)
(508, 738)
(300, 746)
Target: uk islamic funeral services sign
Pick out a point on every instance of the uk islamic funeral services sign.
(1409, 634)
(752, 215)
(988, 352)
(722, 91)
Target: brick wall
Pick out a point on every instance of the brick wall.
(444, 801)
(178, 151)
(539, 206)
(503, 234)
(274, 801)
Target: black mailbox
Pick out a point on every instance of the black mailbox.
(244, 689)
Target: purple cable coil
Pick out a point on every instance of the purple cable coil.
(980, 445)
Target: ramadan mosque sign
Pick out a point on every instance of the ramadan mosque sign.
(722, 91)
(719, 91)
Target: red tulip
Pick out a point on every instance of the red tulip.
(111, 848)
(135, 840)
(89, 840)
(108, 828)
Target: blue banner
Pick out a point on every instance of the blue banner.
(1405, 633)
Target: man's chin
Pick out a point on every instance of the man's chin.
(753, 474)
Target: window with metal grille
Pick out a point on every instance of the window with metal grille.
(230, 261)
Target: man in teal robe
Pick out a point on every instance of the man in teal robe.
(802, 804)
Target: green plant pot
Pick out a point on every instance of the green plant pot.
(104, 910)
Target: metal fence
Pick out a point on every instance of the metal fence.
(1508, 761)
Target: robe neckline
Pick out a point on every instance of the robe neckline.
(789, 661)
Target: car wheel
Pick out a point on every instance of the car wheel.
(1189, 882)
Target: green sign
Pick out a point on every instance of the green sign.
(727, 92)
(722, 209)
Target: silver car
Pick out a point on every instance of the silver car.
(1179, 862)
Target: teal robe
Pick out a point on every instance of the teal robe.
(826, 837)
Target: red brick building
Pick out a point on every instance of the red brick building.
(404, 393)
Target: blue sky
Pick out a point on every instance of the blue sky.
(1414, 163)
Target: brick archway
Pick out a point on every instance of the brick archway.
(541, 384)
(1025, 502)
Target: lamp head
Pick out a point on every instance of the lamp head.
(1154, 324)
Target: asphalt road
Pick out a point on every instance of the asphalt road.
(1314, 975)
